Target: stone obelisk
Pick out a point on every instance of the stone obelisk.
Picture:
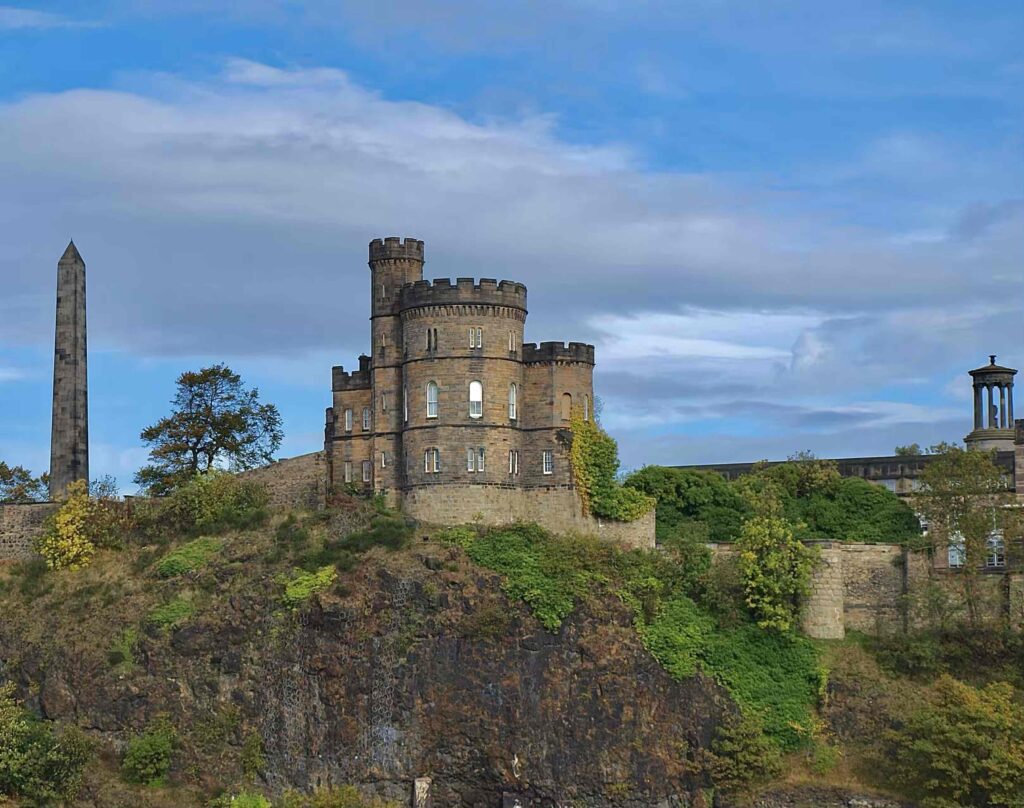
(69, 436)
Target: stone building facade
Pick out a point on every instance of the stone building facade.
(452, 416)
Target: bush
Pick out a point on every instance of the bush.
(244, 799)
(966, 748)
(187, 558)
(253, 760)
(36, 764)
(594, 457)
(391, 532)
(741, 754)
(79, 526)
(301, 586)
(776, 571)
(148, 757)
(171, 614)
(210, 503)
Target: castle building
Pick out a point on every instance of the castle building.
(452, 416)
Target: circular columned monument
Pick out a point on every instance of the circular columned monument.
(993, 407)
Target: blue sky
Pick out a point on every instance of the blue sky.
(785, 225)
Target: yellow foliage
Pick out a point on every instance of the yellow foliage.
(66, 543)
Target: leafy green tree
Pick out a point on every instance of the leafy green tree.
(910, 450)
(964, 748)
(215, 420)
(17, 484)
(776, 570)
(965, 498)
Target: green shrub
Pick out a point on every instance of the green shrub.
(244, 799)
(171, 614)
(37, 765)
(188, 557)
(594, 457)
(741, 755)
(461, 535)
(148, 757)
(965, 748)
(210, 503)
(121, 655)
(776, 571)
(391, 532)
(490, 622)
(301, 586)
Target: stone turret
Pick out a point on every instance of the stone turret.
(69, 436)
(993, 407)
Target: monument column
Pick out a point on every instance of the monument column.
(69, 435)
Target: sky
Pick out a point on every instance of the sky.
(786, 225)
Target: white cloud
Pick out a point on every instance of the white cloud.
(13, 18)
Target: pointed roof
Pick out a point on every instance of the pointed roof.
(991, 367)
(72, 254)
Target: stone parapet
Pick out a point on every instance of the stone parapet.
(19, 526)
(295, 482)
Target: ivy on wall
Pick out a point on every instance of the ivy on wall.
(594, 457)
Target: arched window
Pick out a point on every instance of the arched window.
(586, 408)
(566, 406)
(512, 402)
(431, 400)
(476, 400)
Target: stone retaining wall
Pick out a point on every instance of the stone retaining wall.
(19, 525)
(295, 482)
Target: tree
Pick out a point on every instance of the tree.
(215, 420)
(965, 498)
(18, 485)
(911, 450)
(776, 570)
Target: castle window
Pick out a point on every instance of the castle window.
(476, 338)
(366, 419)
(586, 408)
(431, 339)
(431, 400)
(512, 402)
(348, 420)
(366, 471)
(476, 400)
(511, 341)
(405, 404)
(480, 459)
(348, 471)
(471, 459)
(383, 402)
(566, 406)
(513, 461)
(549, 461)
(383, 460)
(995, 557)
(432, 461)
(956, 555)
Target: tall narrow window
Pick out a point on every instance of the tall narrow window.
(348, 471)
(470, 459)
(383, 402)
(366, 471)
(431, 340)
(955, 555)
(432, 461)
(511, 341)
(586, 408)
(476, 400)
(431, 400)
(566, 406)
(996, 550)
(383, 460)
(405, 404)
(366, 419)
(549, 461)
(480, 459)
(513, 461)
(348, 420)
(476, 338)
(512, 402)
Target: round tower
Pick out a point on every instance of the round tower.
(993, 407)
(393, 263)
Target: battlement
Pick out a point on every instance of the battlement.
(356, 380)
(441, 291)
(558, 352)
(407, 249)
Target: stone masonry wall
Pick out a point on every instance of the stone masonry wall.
(873, 586)
(296, 482)
(556, 509)
(19, 525)
(823, 611)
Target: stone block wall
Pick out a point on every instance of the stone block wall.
(296, 482)
(19, 525)
(823, 616)
(873, 586)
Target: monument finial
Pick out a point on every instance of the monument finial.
(991, 358)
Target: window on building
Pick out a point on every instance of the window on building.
(431, 339)
(549, 461)
(513, 461)
(348, 471)
(431, 400)
(956, 555)
(476, 400)
(405, 404)
(586, 408)
(366, 471)
(511, 341)
(383, 402)
(348, 420)
(476, 338)
(383, 292)
(366, 419)
(470, 459)
(480, 459)
(383, 460)
(566, 406)
(512, 393)
(432, 461)
(995, 555)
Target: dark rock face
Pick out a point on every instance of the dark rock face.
(412, 670)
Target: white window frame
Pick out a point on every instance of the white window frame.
(367, 471)
(995, 551)
(513, 395)
(367, 419)
(432, 405)
(348, 420)
(513, 462)
(476, 337)
(405, 404)
(471, 459)
(432, 461)
(383, 460)
(348, 471)
(548, 461)
(956, 555)
(480, 459)
(511, 341)
(476, 411)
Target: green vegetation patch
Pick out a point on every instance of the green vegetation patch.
(148, 757)
(171, 614)
(188, 557)
(301, 586)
